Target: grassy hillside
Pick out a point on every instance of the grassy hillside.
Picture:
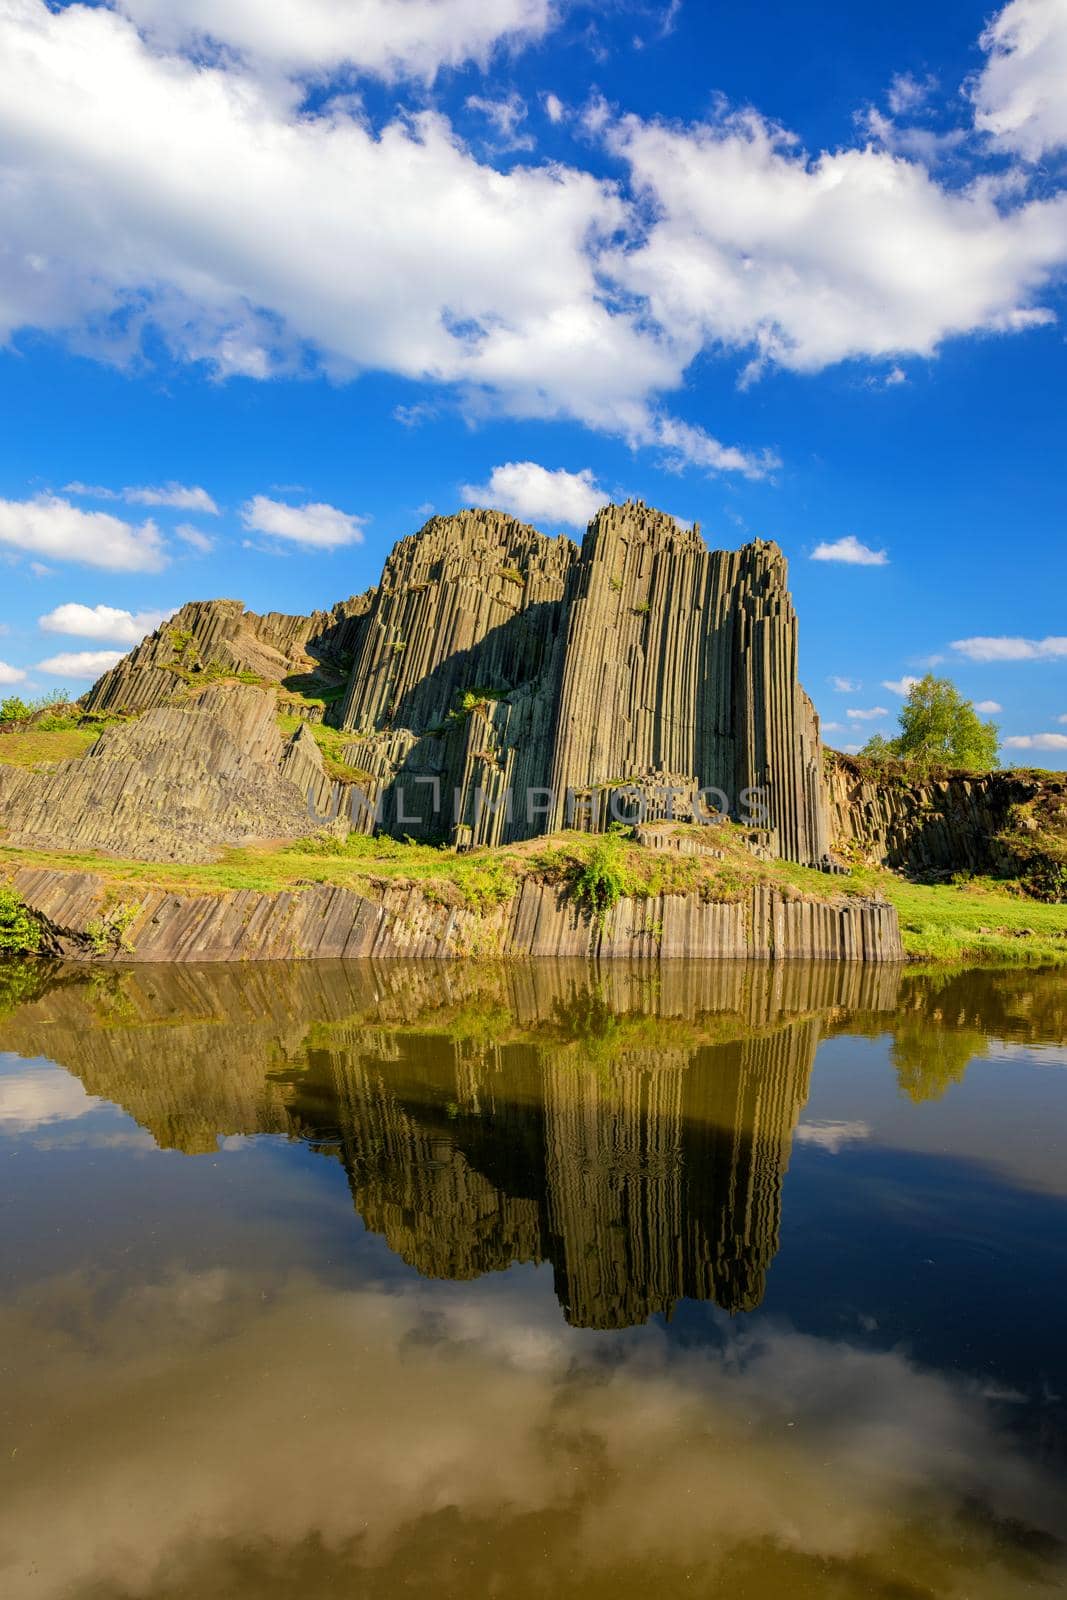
(37, 747)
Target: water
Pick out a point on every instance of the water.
(413, 1280)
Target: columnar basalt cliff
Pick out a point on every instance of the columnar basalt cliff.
(679, 666)
(501, 684)
(176, 784)
(390, 920)
(496, 685)
(208, 639)
(1009, 824)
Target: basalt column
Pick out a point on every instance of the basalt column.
(469, 602)
(679, 672)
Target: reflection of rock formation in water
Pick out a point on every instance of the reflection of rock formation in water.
(651, 1177)
(632, 1127)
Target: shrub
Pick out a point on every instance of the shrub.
(20, 930)
(15, 709)
(599, 883)
(108, 933)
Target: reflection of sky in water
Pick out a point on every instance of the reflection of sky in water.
(211, 1412)
(218, 1382)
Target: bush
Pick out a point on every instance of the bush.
(20, 931)
(598, 885)
(108, 933)
(15, 709)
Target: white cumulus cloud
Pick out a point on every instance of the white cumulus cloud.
(51, 526)
(374, 268)
(988, 706)
(10, 674)
(907, 93)
(388, 38)
(1036, 741)
(101, 622)
(756, 246)
(506, 115)
(194, 538)
(900, 686)
(843, 685)
(1019, 96)
(562, 294)
(851, 551)
(80, 664)
(870, 714)
(322, 526)
(537, 493)
(1007, 648)
(182, 496)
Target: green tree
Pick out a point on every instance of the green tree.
(20, 932)
(938, 727)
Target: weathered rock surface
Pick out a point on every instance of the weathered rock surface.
(501, 684)
(601, 679)
(403, 920)
(208, 638)
(177, 784)
(959, 822)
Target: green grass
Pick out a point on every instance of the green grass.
(35, 747)
(333, 744)
(974, 923)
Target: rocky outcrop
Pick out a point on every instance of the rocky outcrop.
(1003, 823)
(395, 920)
(680, 667)
(538, 686)
(177, 784)
(212, 638)
(499, 684)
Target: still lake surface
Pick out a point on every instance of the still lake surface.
(411, 1280)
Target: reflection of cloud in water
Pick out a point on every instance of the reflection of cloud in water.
(1035, 1055)
(160, 1432)
(33, 1097)
(831, 1136)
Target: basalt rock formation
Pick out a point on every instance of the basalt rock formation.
(499, 684)
(209, 639)
(1005, 824)
(177, 784)
(391, 919)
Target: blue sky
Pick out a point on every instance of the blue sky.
(277, 282)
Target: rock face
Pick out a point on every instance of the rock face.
(211, 638)
(509, 684)
(501, 684)
(402, 919)
(177, 784)
(1007, 824)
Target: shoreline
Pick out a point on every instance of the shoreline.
(85, 919)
